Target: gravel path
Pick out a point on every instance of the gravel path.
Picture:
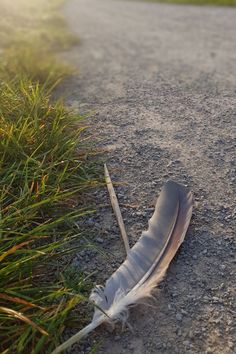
(161, 79)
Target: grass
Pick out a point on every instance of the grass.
(43, 173)
(30, 33)
(199, 2)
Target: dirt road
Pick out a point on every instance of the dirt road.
(161, 79)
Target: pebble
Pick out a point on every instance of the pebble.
(179, 332)
(184, 312)
(179, 317)
(190, 334)
(186, 343)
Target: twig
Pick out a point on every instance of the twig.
(116, 209)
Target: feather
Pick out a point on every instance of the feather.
(146, 263)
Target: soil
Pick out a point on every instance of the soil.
(160, 82)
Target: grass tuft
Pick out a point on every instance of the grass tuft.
(43, 172)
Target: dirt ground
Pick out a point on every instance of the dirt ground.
(160, 81)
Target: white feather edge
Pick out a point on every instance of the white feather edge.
(117, 312)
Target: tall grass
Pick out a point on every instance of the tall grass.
(43, 172)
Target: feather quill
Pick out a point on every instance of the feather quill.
(146, 263)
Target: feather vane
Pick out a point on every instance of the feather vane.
(146, 263)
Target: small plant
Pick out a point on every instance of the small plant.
(75, 280)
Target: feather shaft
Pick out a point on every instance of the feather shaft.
(78, 336)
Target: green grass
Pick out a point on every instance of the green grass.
(43, 174)
(199, 2)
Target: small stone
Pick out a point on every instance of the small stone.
(184, 312)
(90, 222)
(179, 332)
(125, 345)
(186, 343)
(190, 334)
(179, 317)
(131, 346)
(139, 213)
(99, 240)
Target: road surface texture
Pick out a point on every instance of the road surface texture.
(160, 82)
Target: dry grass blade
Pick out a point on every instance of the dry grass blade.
(23, 318)
(13, 250)
(19, 301)
(116, 208)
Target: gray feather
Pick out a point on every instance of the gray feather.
(154, 250)
(146, 262)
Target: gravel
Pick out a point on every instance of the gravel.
(159, 81)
